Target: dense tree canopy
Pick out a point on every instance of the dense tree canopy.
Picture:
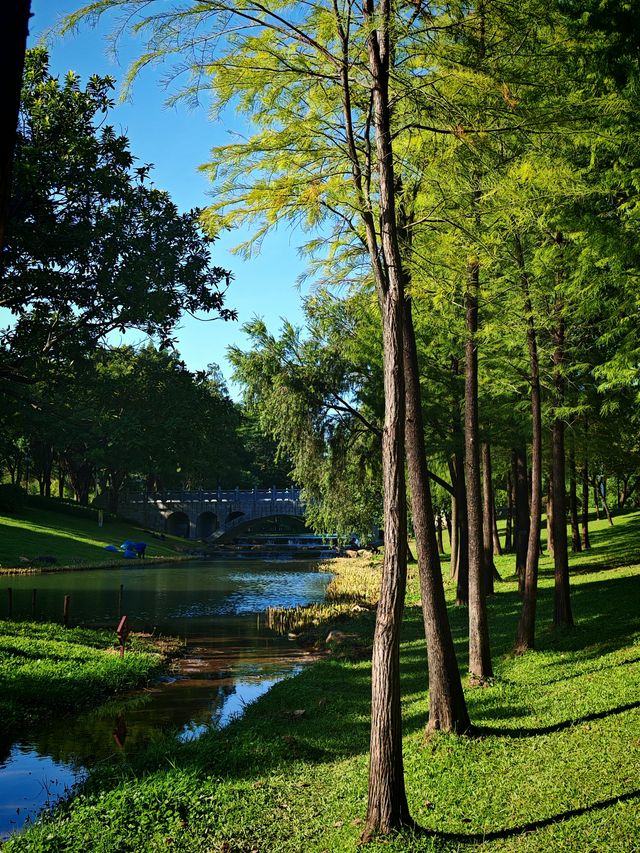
(91, 245)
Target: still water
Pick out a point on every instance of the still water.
(231, 659)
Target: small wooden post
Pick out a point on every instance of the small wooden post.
(34, 595)
(65, 612)
(123, 632)
(10, 600)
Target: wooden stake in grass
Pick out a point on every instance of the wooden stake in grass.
(65, 611)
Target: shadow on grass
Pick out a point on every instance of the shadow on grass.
(488, 731)
(532, 826)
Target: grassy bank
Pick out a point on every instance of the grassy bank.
(555, 767)
(46, 669)
(73, 542)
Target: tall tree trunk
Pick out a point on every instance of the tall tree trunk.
(586, 545)
(525, 637)
(13, 44)
(596, 499)
(576, 544)
(603, 495)
(439, 531)
(562, 601)
(508, 543)
(447, 707)
(550, 512)
(387, 807)
(497, 547)
(487, 518)
(519, 465)
(479, 650)
(453, 525)
(462, 565)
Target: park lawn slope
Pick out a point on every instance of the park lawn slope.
(553, 765)
(73, 541)
(46, 669)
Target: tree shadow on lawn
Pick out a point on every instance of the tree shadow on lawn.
(532, 826)
(336, 696)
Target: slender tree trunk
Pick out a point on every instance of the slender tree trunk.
(525, 637)
(522, 512)
(497, 547)
(387, 807)
(562, 600)
(603, 495)
(479, 650)
(550, 513)
(487, 518)
(508, 544)
(462, 565)
(586, 545)
(454, 525)
(596, 499)
(447, 707)
(439, 531)
(576, 544)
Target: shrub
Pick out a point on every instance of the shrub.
(12, 498)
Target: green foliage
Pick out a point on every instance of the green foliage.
(91, 245)
(12, 498)
(318, 395)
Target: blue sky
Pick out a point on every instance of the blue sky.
(177, 140)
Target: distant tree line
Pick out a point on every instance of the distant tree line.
(91, 248)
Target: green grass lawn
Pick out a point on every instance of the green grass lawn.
(72, 541)
(555, 767)
(46, 669)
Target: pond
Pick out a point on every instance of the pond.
(230, 660)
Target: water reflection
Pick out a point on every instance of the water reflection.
(231, 660)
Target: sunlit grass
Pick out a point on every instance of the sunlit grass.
(554, 766)
(71, 541)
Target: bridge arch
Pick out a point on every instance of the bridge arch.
(178, 524)
(206, 524)
(266, 524)
(234, 515)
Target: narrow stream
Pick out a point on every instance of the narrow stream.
(231, 659)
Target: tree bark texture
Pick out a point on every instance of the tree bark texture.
(487, 518)
(586, 545)
(520, 479)
(439, 532)
(462, 564)
(387, 807)
(509, 525)
(497, 547)
(453, 526)
(596, 500)
(562, 602)
(13, 45)
(479, 650)
(605, 503)
(576, 543)
(525, 637)
(447, 707)
(550, 510)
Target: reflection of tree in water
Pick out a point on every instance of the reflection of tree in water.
(6, 744)
(90, 737)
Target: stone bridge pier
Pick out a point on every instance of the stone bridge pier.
(209, 514)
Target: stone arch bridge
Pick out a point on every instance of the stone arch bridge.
(210, 514)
